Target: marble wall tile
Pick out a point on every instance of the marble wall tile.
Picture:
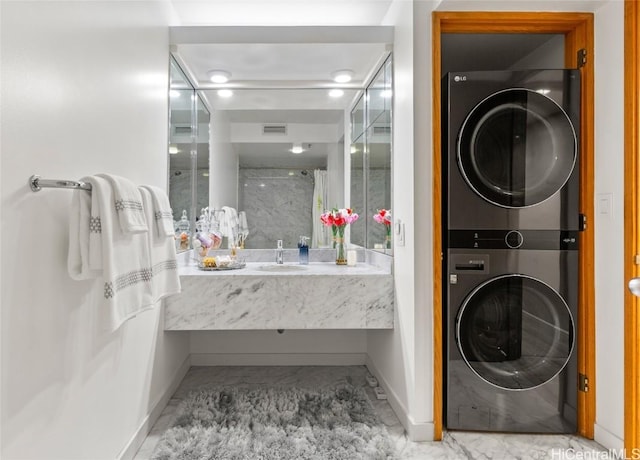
(278, 206)
(180, 192)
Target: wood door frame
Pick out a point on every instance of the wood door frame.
(631, 228)
(578, 31)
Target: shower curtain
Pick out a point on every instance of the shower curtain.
(321, 236)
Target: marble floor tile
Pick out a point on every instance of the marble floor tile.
(455, 445)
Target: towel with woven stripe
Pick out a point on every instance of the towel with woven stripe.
(162, 250)
(162, 216)
(128, 204)
(118, 260)
(81, 227)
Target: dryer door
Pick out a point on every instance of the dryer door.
(515, 332)
(516, 148)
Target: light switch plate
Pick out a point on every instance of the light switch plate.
(605, 204)
(399, 225)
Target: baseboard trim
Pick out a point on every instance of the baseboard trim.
(278, 359)
(129, 451)
(607, 438)
(416, 432)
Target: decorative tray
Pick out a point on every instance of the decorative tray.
(231, 266)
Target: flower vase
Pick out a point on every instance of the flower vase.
(387, 240)
(341, 254)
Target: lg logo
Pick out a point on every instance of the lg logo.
(460, 78)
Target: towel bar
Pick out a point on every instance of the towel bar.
(37, 183)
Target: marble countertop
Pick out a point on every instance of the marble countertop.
(287, 296)
(289, 269)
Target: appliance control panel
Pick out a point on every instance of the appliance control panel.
(514, 239)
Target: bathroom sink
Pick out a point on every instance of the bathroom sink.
(281, 268)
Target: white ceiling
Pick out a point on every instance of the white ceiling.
(289, 64)
(277, 155)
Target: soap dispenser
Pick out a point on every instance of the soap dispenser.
(303, 250)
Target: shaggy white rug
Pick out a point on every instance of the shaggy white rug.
(276, 424)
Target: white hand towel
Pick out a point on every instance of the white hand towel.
(128, 203)
(243, 226)
(162, 250)
(163, 216)
(126, 264)
(80, 226)
(229, 224)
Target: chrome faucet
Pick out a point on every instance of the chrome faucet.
(279, 253)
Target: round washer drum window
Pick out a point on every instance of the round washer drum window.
(516, 148)
(515, 332)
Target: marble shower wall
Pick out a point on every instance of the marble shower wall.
(278, 205)
(180, 192)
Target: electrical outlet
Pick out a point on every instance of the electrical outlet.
(380, 394)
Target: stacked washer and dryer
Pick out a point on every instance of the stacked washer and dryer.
(510, 236)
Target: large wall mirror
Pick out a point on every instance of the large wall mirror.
(189, 121)
(371, 161)
(281, 127)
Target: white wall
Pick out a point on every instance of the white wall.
(84, 90)
(609, 228)
(292, 347)
(223, 178)
(401, 358)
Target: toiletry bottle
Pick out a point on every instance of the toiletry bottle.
(303, 250)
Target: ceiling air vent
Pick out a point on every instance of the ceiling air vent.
(182, 130)
(274, 129)
(382, 130)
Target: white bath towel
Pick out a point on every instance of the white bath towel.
(128, 204)
(163, 216)
(126, 264)
(80, 229)
(162, 250)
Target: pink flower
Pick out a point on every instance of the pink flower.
(338, 217)
(327, 219)
(383, 217)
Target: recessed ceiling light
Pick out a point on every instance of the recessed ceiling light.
(173, 150)
(296, 148)
(219, 76)
(342, 76)
(336, 93)
(225, 93)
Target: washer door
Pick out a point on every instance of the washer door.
(516, 148)
(515, 332)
